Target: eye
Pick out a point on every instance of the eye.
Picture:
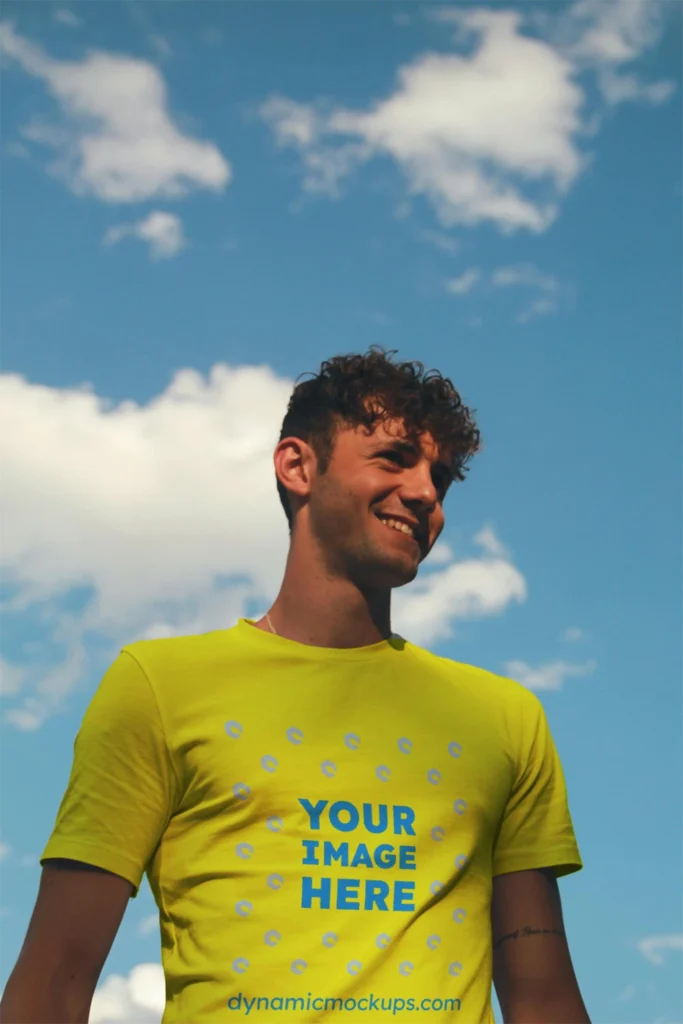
(392, 456)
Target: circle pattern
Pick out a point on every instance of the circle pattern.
(295, 736)
(405, 745)
(383, 773)
(233, 729)
(240, 965)
(354, 967)
(244, 850)
(383, 940)
(241, 791)
(434, 776)
(329, 769)
(406, 968)
(352, 741)
(330, 940)
(268, 763)
(275, 882)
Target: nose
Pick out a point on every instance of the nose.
(419, 488)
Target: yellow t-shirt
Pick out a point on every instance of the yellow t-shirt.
(320, 827)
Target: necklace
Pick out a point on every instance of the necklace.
(273, 630)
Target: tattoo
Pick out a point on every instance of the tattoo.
(528, 930)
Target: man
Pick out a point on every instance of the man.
(336, 824)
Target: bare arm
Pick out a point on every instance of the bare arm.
(532, 967)
(74, 922)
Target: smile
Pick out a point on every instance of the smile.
(397, 527)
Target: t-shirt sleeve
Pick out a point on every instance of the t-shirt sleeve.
(536, 829)
(122, 789)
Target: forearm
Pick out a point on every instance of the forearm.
(550, 1010)
(30, 1000)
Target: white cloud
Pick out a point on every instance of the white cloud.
(117, 140)
(473, 157)
(5, 851)
(605, 36)
(163, 231)
(573, 635)
(471, 589)
(11, 678)
(528, 275)
(549, 676)
(161, 45)
(539, 307)
(65, 17)
(487, 539)
(523, 274)
(464, 283)
(165, 517)
(148, 925)
(441, 241)
(138, 998)
(654, 946)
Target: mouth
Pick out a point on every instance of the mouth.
(403, 529)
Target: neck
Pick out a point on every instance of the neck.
(313, 607)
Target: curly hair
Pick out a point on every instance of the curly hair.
(360, 390)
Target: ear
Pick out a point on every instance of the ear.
(295, 466)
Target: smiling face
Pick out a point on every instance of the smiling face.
(369, 480)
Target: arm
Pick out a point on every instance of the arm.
(74, 922)
(532, 967)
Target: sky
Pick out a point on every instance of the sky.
(202, 201)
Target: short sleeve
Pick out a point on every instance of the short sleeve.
(536, 830)
(122, 789)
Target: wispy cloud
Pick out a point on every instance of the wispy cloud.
(148, 924)
(550, 675)
(527, 275)
(464, 283)
(573, 635)
(116, 139)
(63, 16)
(162, 231)
(440, 240)
(653, 947)
(5, 850)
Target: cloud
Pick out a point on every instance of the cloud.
(573, 635)
(528, 275)
(148, 924)
(474, 158)
(5, 851)
(65, 17)
(163, 232)
(161, 45)
(441, 241)
(163, 519)
(549, 676)
(139, 997)
(464, 283)
(487, 539)
(471, 589)
(603, 37)
(654, 946)
(116, 139)
(471, 156)
(11, 678)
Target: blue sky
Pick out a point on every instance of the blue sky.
(201, 201)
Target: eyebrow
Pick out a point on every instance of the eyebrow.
(408, 448)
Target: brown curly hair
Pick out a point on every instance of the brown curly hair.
(339, 395)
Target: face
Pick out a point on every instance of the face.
(370, 479)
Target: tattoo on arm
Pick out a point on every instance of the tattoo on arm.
(522, 933)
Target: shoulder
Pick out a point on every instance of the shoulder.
(487, 686)
(176, 652)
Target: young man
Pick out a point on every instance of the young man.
(337, 825)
